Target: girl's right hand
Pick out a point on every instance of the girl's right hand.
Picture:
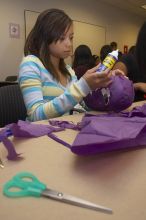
(97, 80)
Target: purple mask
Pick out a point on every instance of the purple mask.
(121, 96)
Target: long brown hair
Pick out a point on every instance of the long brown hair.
(49, 27)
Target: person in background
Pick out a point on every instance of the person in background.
(104, 51)
(96, 59)
(50, 87)
(132, 49)
(120, 54)
(134, 65)
(83, 60)
(114, 45)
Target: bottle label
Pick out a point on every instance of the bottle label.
(108, 62)
(101, 68)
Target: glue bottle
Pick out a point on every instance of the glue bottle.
(109, 61)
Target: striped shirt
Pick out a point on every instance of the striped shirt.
(44, 96)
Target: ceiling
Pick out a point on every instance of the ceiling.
(133, 6)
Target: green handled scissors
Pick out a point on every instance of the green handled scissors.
(29, 185)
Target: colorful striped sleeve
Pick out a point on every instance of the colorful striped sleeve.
(31, 79)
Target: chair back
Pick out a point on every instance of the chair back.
(7, 83)
(12, 107)
(11, 78)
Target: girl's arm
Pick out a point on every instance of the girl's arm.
(37, 107)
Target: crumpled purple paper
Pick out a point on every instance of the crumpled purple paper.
(104, 133)
(98, 133)
(65, 124)
(139, 111)
(12, 154)
(28, 129)
(110, 131)
(120, 96)
(24, 129)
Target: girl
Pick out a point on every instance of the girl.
(49, 87)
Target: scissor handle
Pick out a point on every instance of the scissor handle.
(27, 184)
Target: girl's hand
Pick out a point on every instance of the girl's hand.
(96, 79)
(117, 72)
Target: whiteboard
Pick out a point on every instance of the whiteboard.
(92, 35)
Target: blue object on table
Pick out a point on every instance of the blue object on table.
(29, 185)
(9, 132)
(5, 132)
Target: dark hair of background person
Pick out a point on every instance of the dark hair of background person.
(83, 56)
(120, 54)
(51, 24)
(96, 59)
(104, 51)
(140, 50)
(114, 45)
(132, 49)
(83, 60)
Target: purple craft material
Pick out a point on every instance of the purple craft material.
(109, 132)
(55, 138)
(28, 129)
(65, 124)
(139, 111)
(23, 129)
(121, 96)
(97, 133)
(104, 133)
(12, 154)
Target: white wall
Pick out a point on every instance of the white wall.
(120, 26)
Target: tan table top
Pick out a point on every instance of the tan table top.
(116, 180)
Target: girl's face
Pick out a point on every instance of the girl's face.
(63, 47)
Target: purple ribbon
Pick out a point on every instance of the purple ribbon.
(12, 154)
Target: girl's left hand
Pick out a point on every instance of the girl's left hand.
(117, 72)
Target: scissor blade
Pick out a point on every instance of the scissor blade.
(1, 164)
(74, 200)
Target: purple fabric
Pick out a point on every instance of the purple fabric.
(12, 154)
(24, 129)
(98, 133)
(28, 129)
(55, 138)
(139, 111)
(121, 96)
(107, 133)
(65, 124)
